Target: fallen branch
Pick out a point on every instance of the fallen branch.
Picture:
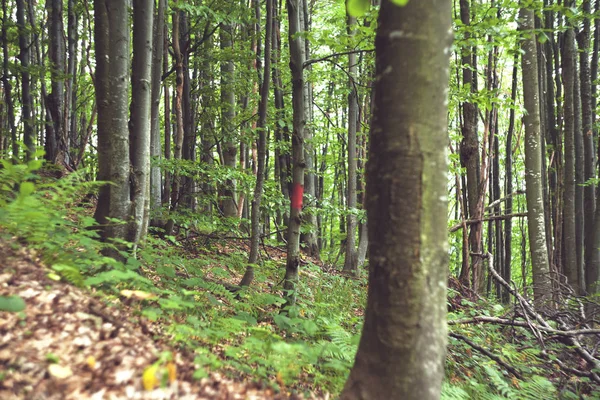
(489, 354)
(488, 218)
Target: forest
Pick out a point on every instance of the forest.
(299, 199)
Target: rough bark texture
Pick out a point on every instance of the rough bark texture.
(469, 158)
(402, 349)
(297, 57)
(111, 34)
(139, 140)
(533, 163)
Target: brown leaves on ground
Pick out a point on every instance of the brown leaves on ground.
(69, 345)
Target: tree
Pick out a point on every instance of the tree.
(402, 348)
(141, 90)
(351, 260)
(261, 151)
(111, 34)
(469, 157)
(533, 161)
(123, 155)
(297, 58)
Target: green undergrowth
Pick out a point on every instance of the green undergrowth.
(182, 285)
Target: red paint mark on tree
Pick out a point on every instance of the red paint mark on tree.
(297, 193)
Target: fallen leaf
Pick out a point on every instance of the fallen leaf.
(149, 377)
(137, 294)
(59, 372)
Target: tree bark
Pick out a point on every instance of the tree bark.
(469, 157)
(570, 229)
(155, 145)
(401, 353)
(57, 69)
(26, 101)
(111, 34)
(533, 162)
(227, 115)
(139, 141)
(261, 152)
(297, 58)
(351, 259)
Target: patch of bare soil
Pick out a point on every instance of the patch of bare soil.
(69, 345)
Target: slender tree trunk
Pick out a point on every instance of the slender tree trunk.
(56, 153)
(179, 129)
(469, 156)
(401, 353)
(166, 195)
(309, 238)
(8, 99)
(351, 260)
(506, 271)
(227, 115)
(570, 229)
(26, 102)
(155, 145)
(533, 163)
(297, 57)
(261, 152)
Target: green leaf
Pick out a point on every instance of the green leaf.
(12, 303)
(26, 189)
(400, 3)
(357, 8)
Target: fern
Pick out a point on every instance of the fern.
(452, 392)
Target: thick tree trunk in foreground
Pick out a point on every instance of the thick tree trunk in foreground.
(140, 118)
(401, 353)
(111, 34)
(533, 163)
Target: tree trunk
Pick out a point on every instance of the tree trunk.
(309, 238)
(297, 57)
(506, 271)
(401, 354)
(261, 152)
(139, 141)
(351, 259)
(469, 157)
(570, 248)
(227, 128)
(57, 69)
(111, 34)
(10, 109)
(533, 163)
(155, 145)
(26, 102)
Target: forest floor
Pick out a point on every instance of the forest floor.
(70, 343)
